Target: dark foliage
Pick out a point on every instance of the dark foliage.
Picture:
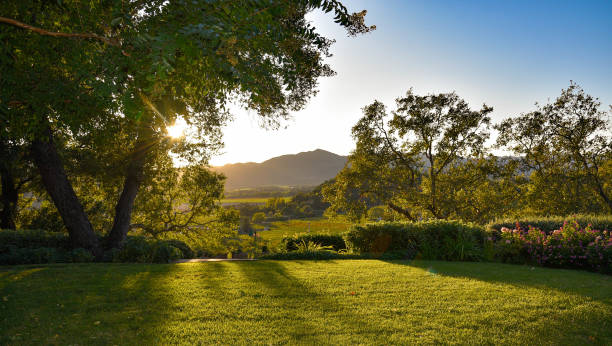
(335, 241)
(36, 247)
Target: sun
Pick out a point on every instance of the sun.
(178, 129)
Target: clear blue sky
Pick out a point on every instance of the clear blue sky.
(508, 54)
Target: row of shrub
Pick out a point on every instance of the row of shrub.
(145, 250)
(33, 239)
(432, 240)
(37, 255)
(552, 223)
(35, 247)
(569, 246)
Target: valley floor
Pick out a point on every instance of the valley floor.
(322, 302)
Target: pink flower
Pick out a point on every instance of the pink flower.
(507, 241)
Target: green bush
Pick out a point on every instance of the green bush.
(135, 249)
(142, 250)
(15, 255)
(164, 252)
(35, 246)
(434, 239)
(335, 241)
(80, 255)
(186, 251)
(33, 239)
(553, 223)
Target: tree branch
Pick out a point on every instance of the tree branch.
(40, 31)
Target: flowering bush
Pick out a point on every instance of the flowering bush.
(568, 247)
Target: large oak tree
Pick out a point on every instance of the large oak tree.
(72, 68)
(410, 159)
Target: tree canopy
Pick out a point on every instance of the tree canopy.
(399, 158)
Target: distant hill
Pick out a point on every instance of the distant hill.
(309, 168)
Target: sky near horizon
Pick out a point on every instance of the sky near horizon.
(507, 54)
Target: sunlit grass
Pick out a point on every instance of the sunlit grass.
(267, 302)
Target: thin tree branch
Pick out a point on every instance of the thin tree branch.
(40, 31)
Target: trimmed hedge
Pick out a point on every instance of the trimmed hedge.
(553, 223)
(15, 255)
(335, 241)
(144, 250)
(37, 247)
(33, 239)
(433, 240)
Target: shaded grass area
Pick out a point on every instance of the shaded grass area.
(320, 225)
(324, 302)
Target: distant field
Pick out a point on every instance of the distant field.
(256, 200)
(303, 302)
(280, 229)
(251, 200)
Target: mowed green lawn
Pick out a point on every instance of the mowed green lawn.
(306, 302)
(320, 225)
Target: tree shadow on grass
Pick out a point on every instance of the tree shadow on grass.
(93, 304)
(575, 282)
(286, 309)
(577, 304)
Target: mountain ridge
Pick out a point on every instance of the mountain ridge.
(308, 168)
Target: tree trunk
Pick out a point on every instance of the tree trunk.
(125, 205)
(401, 210)
(600, 190)
(66, 201)
(8, 199)
(432, 179)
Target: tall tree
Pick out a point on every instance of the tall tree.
(399, 160)
(148, 63)
(568, 147)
